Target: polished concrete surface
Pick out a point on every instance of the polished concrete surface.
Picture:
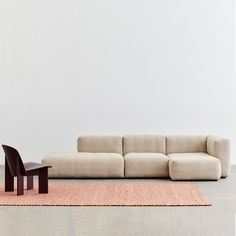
(126, 221)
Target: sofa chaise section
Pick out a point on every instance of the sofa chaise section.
(144, 156)
(196, 157)
(194, 166)
(97, 157)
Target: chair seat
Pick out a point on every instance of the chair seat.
(34, 166)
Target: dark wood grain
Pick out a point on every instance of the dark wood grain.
(15, 167)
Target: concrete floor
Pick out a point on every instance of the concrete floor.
(126, 221)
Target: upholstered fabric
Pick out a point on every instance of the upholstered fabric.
(219, 147)
(186, 143)
(144, 143)
(189, 157)
(100, 143)
(85, 165)
(194, 166)
(143, 165)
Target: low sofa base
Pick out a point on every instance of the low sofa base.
(85, 165)
(178, 166)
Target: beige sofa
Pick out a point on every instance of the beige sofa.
(180, 157)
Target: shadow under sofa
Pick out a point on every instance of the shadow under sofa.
(180, 157)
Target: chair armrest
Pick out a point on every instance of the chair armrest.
(219, 147)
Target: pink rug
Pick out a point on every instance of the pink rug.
(108, 194)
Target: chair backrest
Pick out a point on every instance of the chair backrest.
(14, 161)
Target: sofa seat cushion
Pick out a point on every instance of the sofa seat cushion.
(149, 165)
(194, 166)
(85, 165)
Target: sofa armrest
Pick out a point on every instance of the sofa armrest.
(219, 147)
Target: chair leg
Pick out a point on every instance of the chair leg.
(20, 185)
(43, 180)
(30, 182)
(9, 179)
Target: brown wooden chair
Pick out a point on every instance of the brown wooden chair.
(15, 167)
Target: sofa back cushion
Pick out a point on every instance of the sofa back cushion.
(144, 143)
(185, 143)
(100, 143)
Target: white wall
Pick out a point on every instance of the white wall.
(87, 66)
